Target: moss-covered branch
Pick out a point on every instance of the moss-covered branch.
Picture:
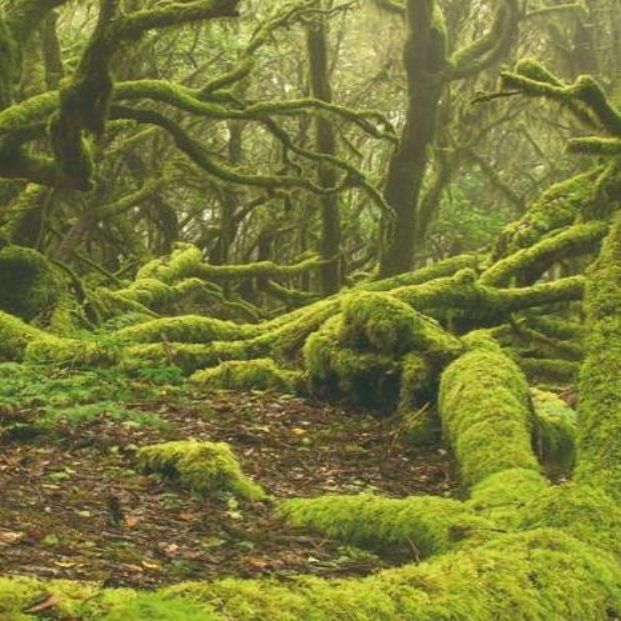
(172, 13)
(585, 98)
(558, 207)
(536, 259)
(497, 437)
(491, 47)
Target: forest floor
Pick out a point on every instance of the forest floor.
(73, 506)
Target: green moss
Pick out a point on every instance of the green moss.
(379, 322)
(555, 431)
(17, 595)
(185, 329)
(599, 439)
(441, 269)
(531, 262)
(550, 371)
(382, 323)
(187, 261)
(423, 525)
(25, 216)
(583, 511)
(261, 374)
(418, 424)
(28, 283)
(556, 208)
(203, 466)
(479, 305)
(500, 495)
(367, 378)
(486, 414)
(542, 574)
(15, 335)
(532, 576)
(557, 328)
(49, 349)
(159, 607)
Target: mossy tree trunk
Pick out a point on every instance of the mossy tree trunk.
(319, 77)
(425, 59)
(430, 67)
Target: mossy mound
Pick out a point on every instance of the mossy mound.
(29, 285)
(15, 336)
(378, 352)
(262, 374)
(378, 322)
(205, 467)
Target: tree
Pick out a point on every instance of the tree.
(430, 67)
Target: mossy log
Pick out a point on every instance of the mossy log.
(259, 374)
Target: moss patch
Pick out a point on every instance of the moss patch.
(204, 467)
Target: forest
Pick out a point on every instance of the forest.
(310, 310)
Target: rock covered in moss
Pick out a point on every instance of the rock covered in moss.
(379, 322)
(362, 353)
(204, 467)
(367, 378)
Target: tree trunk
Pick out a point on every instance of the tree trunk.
(425, 59)
(317, 46)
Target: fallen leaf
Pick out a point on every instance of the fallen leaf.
(8, 537)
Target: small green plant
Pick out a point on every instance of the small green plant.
(75, 397)
(161, 375)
